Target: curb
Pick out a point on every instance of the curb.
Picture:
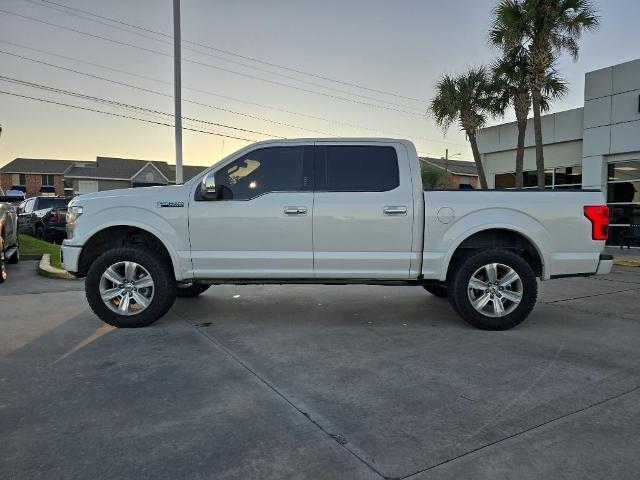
(45, 269)
(631, 262)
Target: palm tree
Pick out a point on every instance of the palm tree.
(511, 75)
(545, 29)
(465, 99)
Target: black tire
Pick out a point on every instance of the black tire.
(437, 290)
(3, 266)
(459, 294)
(15, 258)
(164, 293)
(40, 233)
(188, 290)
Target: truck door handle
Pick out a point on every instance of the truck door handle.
(293, 211)
(394, 211)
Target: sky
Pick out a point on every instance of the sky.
(389, 47)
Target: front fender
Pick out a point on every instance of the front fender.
(173, 236)
(492, 219)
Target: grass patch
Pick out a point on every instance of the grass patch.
(33, 246)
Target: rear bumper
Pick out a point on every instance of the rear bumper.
(69, 257)
(605, 264)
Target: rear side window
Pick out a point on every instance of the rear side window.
(357, 168)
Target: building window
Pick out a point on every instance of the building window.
(19, 179)
(623, 197)
(505, 180)
(560, 178)
(568, 178)
(47, 180)
(87, 186)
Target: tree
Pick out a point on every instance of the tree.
(434, 178)
(544, 29)
(465, 99)
(511, 75)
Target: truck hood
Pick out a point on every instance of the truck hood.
(129, 195)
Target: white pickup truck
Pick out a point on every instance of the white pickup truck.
(329, 211)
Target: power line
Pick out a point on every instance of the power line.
(143, 89)
(215, 67)
(126, 105)
(207, 92)
(218, 57)
(227, 52)
(123, 116)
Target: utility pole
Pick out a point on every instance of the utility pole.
(177, 81)
(446, 160)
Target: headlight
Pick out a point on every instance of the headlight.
(73, 212)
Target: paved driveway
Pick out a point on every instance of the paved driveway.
(320, 382)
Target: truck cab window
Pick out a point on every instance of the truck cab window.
(358, 168)
(274, 169)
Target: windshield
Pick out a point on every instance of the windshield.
(44, 203)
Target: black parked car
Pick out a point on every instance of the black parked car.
(44, 218)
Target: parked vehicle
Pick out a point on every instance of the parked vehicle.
(44, 218)
(329, 212)
(8, 233)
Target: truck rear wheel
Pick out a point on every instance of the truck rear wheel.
(493, 289)
(128, 287)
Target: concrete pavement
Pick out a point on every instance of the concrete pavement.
(320, 382)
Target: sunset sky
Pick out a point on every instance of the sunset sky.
(401, 47)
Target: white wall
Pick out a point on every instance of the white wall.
(611, 119)
(609, 124)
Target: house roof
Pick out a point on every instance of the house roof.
(457, 167)
(103, 168)
(37, 165)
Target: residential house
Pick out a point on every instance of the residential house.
(74, 177)
(464, 174)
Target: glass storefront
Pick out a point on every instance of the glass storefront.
(623, 198)
(555, 178)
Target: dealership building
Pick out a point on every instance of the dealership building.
(597, 146)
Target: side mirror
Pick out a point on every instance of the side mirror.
(209, 184)
(207, 190)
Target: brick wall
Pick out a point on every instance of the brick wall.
(58, 182)
(5, 181)
(33, 184)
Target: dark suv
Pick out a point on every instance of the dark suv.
(44, 218)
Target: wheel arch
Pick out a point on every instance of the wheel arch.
(507, 237)
(120, 235)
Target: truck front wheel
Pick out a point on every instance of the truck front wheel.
(493, 289)
(128, 287)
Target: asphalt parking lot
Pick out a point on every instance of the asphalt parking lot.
(322, 382)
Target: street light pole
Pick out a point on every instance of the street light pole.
(177, 81)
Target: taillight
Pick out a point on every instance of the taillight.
(599, 216)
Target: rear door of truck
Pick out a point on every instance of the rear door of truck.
(363, 211)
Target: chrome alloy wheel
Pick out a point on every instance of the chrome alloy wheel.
(495, 290)
(126, 288)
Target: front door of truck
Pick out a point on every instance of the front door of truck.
(258, 224)
(363, 211)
